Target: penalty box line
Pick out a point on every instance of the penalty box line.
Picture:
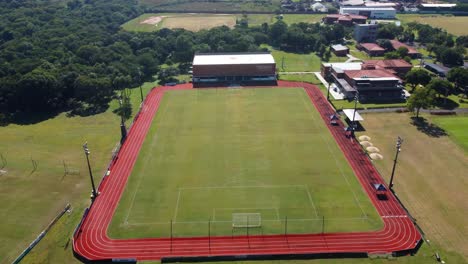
(248, 208)
(306, 187)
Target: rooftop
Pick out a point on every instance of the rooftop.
(395, 63)
(369, 74)
(368, 8)
(438, 5)
(345, 16)
(371, 46)
(437, 67)
(397, 44)
(339, 47)
(232, 58)
(343, 66)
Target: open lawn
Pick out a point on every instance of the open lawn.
(213, 153)
(30, 200)
(192, 22)
(430, 176)
(295, 62)
(197, 21)
(456, 127)
(453, 24)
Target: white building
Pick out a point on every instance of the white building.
(318, 7)
(370, 12)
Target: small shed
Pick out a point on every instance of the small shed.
(340, 50)
(437, 69)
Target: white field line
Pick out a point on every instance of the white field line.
(176, 207)
(242, 187)
(338, 165)
(274, 209)
(311, 201)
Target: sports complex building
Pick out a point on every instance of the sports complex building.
(214, 69)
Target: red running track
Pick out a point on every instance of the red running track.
(92, 243)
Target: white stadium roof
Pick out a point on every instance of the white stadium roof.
(233, 58)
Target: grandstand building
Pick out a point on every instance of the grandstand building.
(213, 69)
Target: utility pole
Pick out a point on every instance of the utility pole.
(87, 152)
(398, 149)
(139, 81)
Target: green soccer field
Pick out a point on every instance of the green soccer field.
(214, 154)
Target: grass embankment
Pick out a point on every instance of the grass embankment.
(31, 200)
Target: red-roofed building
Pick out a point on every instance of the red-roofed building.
(375, 85)
(371, 48)
(412, 52)
(346, 19)
(397, 66)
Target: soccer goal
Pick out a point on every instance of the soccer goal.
(246, 220)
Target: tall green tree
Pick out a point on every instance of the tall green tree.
(421, 98)
(459, 76)
(416, 77)
(441, 87)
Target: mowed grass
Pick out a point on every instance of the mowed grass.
(453, 24)
(192, 22)
(430, 176)
(214, 152)
(199, 21)
(31, 200)
(456, 127)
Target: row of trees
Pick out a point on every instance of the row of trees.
(74, 56)
(424, 96)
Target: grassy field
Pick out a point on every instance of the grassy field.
(456, 127)
(192, 22)
(295, 62)
(214, 153)
(453, 24)
(198, 21)
(419, 185)
(430, 176)
(30, 200)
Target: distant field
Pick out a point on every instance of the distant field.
(192, 22)
(198, 21)
(212, 153)
(213, 5)
(456, 25)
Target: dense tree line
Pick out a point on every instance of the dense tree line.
(74, 56)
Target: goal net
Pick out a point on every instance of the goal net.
(242, 220)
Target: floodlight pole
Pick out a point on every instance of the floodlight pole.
(209, 234)
(123, 129)
(328, 91)
(87, 152)
(354, 113)
(398, 149)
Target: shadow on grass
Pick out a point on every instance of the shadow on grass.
(428, 128)
(449, 104)
(28, 118)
